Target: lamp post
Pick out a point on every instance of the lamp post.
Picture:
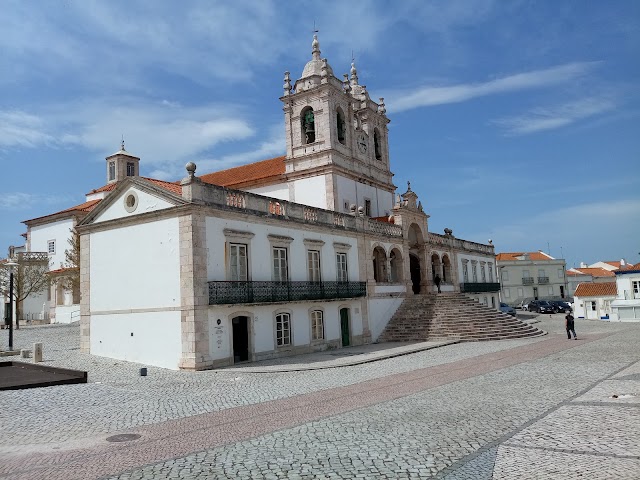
(11, 264)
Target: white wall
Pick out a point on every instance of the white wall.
(355, 193)
(150, 338)
(259, 251)
(146, 203)
(279, 190)
(380, 312)
(583, 309)
(59, 231)
(262, 328)
(34, 306)
(135, 267)
(312, 191)
(67, 313)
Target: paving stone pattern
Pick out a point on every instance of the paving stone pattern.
(535, 408)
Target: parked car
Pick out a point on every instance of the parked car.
(504, 308)
(561, 306)
(524, 304)
(542, 306)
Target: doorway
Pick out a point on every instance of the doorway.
(535, 293)
(344, 326)
(561, 291)
(240, 339)
(414, 268)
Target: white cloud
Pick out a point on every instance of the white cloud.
(25, 200)
(437, 95)
(549, 118)
(21, 129)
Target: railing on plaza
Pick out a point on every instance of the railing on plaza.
(543, 279)
(223, 292)
(527, 280)
(479, 287)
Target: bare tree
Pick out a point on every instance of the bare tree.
(31, 277)
(72, 263)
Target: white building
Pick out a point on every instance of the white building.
(626, 306)
(308, 251)
(531, 275)
(592, 301)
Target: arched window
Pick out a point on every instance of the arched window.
(308, 125)
(340, 126)
(395, 261)
(379, 265)
(317, 325)
(376, 144)
(446, 269)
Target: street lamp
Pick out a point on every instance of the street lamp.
(11, 264)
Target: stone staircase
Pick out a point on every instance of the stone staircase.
(452, 316)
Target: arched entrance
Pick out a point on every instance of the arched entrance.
(446, 269)
(240, 327)
(344, 327)
(414, 268)
(379, 265)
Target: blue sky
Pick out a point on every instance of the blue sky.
(516, 121)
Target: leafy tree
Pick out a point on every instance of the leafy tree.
(30, 277)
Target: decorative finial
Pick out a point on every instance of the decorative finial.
(408, 186)
(122, 143)
(191, 169)
(345, 83)
(354, 74)
(382, 108)
(287, 83)
(315, 47)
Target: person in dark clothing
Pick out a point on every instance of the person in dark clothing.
(437, 282)
(569, 324)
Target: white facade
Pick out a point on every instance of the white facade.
(627, 303)
(594, 308)
(52, 238)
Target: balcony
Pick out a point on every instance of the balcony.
(542, 280)
(527, 280)
(631, 295)
(479, 287)
(221, 293)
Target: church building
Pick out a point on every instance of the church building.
(303, 252)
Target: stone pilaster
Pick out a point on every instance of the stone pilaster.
(85, 299)
(194, 293)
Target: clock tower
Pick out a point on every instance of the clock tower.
(337, 141)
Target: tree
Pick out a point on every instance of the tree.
(30, 277)
(72, 263)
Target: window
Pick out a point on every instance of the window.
(636, 287)
(550, 289)
(485, 301)
(490, 273)
(493, 302)
(317, 325)
(474, 272)
(541, 272)
(465, 271)
(593, 306)
(283, 330)
(376, 144)
(341, 267)
(507, 293)
(238, 271)
(313, 265)
(561, 273)
(505, 275)
(51, 247)
(482, 273)
(367, 207)
(131, 169)
(280, 270)
(520, 292)
(112, 171)
(308, 125)
(525, 274)
(340, 125)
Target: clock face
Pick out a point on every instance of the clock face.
(362, 143)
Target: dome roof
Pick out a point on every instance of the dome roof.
(314, 66)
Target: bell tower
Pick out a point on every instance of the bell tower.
(122, 164)
(338, 137)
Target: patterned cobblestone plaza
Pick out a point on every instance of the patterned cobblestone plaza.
(547, 408)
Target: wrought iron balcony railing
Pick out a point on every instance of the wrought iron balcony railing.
(527, 280)
(543, 279)
(276, 292)
(479, 287)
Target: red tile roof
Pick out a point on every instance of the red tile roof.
(596, 289)
(596, 272)
(628, 266)
(513, 256)
(173, 187)
(263, 170)
(62, 270)
(85, 207)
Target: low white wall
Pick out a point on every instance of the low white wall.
(380, 312)
(150, 338)
(67, 314)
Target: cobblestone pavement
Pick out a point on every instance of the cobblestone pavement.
(539, 408)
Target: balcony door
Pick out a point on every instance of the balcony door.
(344, 326)
(535, 293)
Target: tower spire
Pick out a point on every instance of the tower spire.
(315, 52)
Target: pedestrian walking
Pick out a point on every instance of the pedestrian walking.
(437, 282)
(570, 325)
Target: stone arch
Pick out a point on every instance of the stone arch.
(436, 266)
(377, 147)
(341, 126)
(380, 265)
(395, 265)
(446, 269)
(417, 261)
(308, 125)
